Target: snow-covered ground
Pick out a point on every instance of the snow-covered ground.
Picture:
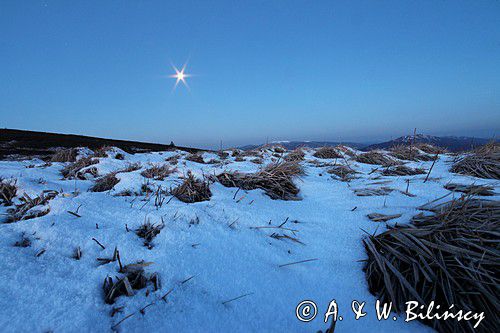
(209, 252)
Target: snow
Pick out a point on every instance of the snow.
(54, 292)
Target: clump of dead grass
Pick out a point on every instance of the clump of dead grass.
(409, 153)
(102, 151)
(449, 257)
(402, 170)
(74, 170)
(8, 191)
(149, 231)
(483, 162)
(346, 150)
(377, 158)
(157, 172)
(342, 172)
(173, 160)
(369, 191)
(105, 183)
(133, 277)
(484, 190)
(430, 149)
(275, 179)
(130, 167)
(196, 157)
(30, 208)
(327, 152)
(65, 155)
(295, 155)
(192, 190)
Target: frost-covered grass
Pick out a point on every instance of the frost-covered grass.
(205, 253)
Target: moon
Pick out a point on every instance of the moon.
(180, 76)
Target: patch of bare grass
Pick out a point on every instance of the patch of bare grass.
(449, 257)
(295, 155)
(133, 277)
(65, 155)
(409, 153)
(402, 170)
(430, 149)
(275, 179)
(197, 158)
(483, 162)
(173, 160)
(368, 192)
(130, 167)
(327, 152)
(105, 183)
(30, 208)
(342, 172)
(484, 190)
(376, 158)
(148, 231)
(192, 190)
(8, 191)
(74, 170)
(157, 172)
(102, 151)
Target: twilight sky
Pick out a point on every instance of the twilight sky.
(308, 70)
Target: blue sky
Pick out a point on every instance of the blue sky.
(307, 70)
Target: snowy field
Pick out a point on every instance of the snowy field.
(208, 253)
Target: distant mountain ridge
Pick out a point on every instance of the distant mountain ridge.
(310, 144)
(452, 143)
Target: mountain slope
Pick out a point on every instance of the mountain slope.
(452, 143)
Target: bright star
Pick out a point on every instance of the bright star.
(180, 76)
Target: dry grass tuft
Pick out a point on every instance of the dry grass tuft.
(295, 155)
(409, 153)
(198, 158)
(484, 190)
(130, 167)
(8, 191)
(102, 152)
(377, 217)
(430, 149)
(275, 179)
(74, 170)
(327, 152)
(192, 190)
(157, 172)
(368, 192)
(105, 183)
(483, 162)
(450, 257)
(403, 170)
(342, 172)
(23, 242)
(31, 207)
(376, 157)
(173, 160)
(149, 231)
(65, 155)
(133, 278)
(346, 150)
